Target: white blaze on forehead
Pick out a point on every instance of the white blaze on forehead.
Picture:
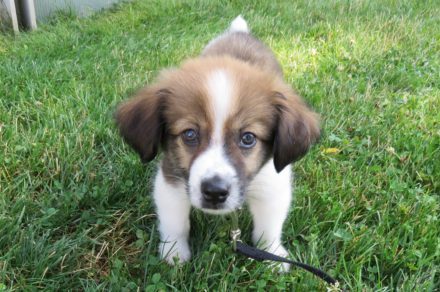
(220, 92)
(214, 161)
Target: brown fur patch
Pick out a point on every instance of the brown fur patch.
(297, 130)
(140, 121)
(243, 46)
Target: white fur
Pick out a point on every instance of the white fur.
(219, 88)
(173, 208)
(269, 197)
(239, 24)
(213, 162)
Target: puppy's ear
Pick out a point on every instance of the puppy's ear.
(141, 123)
(297, 129)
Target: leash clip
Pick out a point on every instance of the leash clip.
(235, 236)
(235, 231)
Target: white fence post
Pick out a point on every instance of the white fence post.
(30, 20)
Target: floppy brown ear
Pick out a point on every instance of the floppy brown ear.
(140, 121)
(297, 129)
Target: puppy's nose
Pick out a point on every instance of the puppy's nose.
(215, 190)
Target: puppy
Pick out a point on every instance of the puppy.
(228, 126)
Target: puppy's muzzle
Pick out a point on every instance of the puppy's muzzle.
(215, 190)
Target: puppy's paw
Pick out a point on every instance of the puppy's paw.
(279, 250)
(175, 251)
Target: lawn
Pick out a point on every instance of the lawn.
(75, 205)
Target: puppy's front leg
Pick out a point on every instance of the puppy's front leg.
(173, 208)
(269, 200)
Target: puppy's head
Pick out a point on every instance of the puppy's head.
(217, 121)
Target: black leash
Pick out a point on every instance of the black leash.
(260, 255)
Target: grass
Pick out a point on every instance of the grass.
(75, 209)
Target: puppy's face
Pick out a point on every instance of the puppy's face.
(218, 121)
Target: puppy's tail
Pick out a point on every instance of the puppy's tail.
(239, 25)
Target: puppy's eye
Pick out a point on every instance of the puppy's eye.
(190, 137)
(248, 140)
